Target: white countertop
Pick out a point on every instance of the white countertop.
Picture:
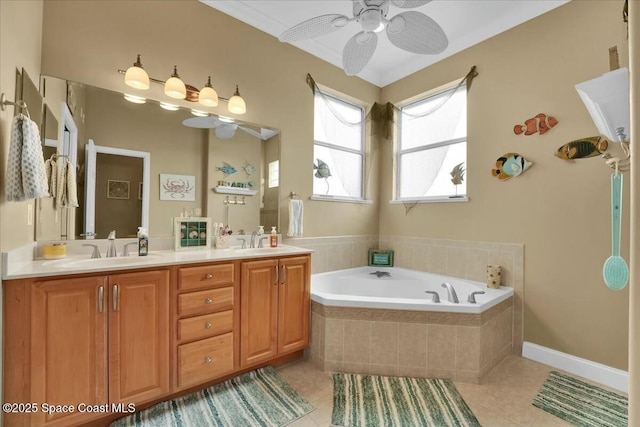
(16, 268)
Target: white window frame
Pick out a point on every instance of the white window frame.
(274, 169)
(444, 143)
(361, 152)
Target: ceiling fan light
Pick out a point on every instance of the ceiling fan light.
(225, 131)
(380, 28)
(370, 19)
(237, 104)
(199, 113)
(169, 107)
(136, 76)
(134, 98)
(208, 95)
(174, 87)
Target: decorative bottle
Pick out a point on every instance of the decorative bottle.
(143, 242)
(273, 239)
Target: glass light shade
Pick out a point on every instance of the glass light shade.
(226, 131)
(175, 88)
(199, 113)
(137, 77)
(208, 97)
(134, 98)
(236, 103)
(169, 107)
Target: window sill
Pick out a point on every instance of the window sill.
(341, 199)
(438, 199)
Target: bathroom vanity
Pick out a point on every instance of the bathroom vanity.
(139, 333)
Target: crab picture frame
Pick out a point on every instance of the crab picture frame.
(177, 188)
(192, 233)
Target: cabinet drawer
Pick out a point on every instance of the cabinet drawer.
(208, 301)
(205, 360)
(208, 276)
(208, 325)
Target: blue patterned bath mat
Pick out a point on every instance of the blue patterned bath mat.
(257, 398)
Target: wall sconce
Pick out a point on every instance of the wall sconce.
(174, 87)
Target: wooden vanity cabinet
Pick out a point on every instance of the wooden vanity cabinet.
(93, 340)
(275, 299)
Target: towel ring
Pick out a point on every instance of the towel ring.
(293, 195)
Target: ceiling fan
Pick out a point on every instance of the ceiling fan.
(226, 128)
(412, 31)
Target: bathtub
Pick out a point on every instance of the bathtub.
(401, 289)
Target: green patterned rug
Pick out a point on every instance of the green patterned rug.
(257, 398)
(368, 400)
(581, 404)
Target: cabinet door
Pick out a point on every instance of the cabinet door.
(293, 304)
(138, 336)
(258, 312)
(68, 347)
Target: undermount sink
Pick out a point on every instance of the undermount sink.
(262, 251)
(99, 262)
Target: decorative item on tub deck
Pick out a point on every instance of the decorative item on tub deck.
(226, 169)
(380, 257)
(582, 148)
(457, 175)
(192, 233)
(540, 123)
(494, 273)
(510, 165)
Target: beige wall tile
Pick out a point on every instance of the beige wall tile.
(384, 370)
(334, 340)
(467, 349)
(412, 345)
(413, 372)
(456, 262)
(441, 350)
(471, 377)
(476, 268)
(356, 368)
(384, 343)
(332, 366)
(420, 257)
(357, 341)
(437, 262)
(441, 373)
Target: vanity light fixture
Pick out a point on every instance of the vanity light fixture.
(169, 107)
(136, 76)
(134, 98)
(237, 104)
(174, 87)
(199, 113)
(208, 95)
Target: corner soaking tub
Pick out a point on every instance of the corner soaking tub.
(400, 289)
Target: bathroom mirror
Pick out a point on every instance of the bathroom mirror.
(185, 164)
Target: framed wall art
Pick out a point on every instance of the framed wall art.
(117, 189)
(192, 233)
(177, 187)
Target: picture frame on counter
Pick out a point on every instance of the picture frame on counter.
(192, 233)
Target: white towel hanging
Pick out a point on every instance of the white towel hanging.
(51, 171)
(296, 210)
(66, 195)
(26, 176)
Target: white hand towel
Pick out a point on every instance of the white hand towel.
(26, 176)
(51, 170)
(296, 209)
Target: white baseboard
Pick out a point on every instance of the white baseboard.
(606, 375)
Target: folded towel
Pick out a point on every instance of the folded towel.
(51, 171)
(26, 177)
(67, 195)
(295, 218)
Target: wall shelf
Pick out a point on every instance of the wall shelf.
(235, 190)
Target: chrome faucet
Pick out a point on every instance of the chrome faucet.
(125, 249)
(262, 239)
(435, 297)
(111, 248)
(451, 293)
(472, 296)
(96, 251)
(252, 242)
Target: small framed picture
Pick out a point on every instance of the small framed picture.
(381, 258)
(117, 189)
(180, 188)
(192, 233)
(139, 191)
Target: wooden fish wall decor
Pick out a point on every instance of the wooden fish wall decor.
(582, 148)
(510, 165)
(540, 123)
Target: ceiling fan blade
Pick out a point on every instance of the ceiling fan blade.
(409, 4)
(358, 52)
(251, 132)
(416, 32)
(314, 27)
(209, 122)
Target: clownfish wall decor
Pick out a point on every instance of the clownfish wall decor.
(540, 123)
(510, 165)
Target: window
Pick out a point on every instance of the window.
(274, 173)
(338, 148)
(432, 141)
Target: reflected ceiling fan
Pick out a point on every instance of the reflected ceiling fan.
(226, 128)
(412, 31)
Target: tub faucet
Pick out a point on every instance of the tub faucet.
(451, 293)
(111, 248)
(472, 296)
(435, 297)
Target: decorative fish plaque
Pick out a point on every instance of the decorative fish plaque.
(510, 165)
(582, 148)
(540, 123)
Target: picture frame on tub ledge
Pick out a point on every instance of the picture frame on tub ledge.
(381, 257)
(192, 233)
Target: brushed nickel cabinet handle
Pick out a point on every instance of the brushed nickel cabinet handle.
(208, 360)
(284, 274)
(208, 325)
(101, 299)
(115, 297)
(208, 276)
(208, 301)
(277, 275)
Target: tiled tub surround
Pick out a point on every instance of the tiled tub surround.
(336, 252)
(459, 346)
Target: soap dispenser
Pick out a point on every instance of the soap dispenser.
(273, 239)
(143, 242)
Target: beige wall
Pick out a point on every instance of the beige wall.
(559, 210)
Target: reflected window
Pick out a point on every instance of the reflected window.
(274, 174)
(338, 150)
(432, 142)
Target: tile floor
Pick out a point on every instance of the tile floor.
(504, 400)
